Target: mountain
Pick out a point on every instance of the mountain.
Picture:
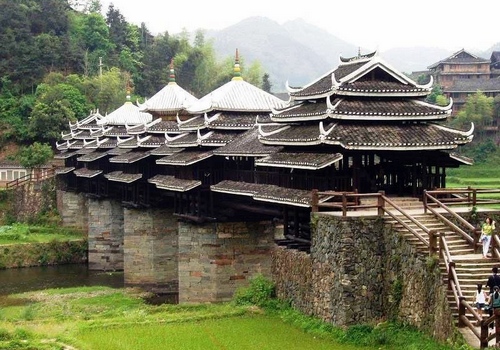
(281, 55)
(412, 59)
(299, 52)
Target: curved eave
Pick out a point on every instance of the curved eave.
(231, 127)
(399, 147)
(382, 117)
(177, 188)
(283, 201)
(361, 117)
(322, 94)
(373, 146)
(311, 142)
(300, 117)
(372, 93)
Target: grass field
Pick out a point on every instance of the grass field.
(23, 233)
(101, 318)
(478, 176)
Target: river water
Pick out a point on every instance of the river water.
(27, 279)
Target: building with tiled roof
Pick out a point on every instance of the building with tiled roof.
(191, 203)
(463, 74)
(377, 121)
(170, 101)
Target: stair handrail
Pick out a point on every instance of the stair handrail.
(471, 240)
(30, 177)
(495, 245)
(406, 215)
(453, 285)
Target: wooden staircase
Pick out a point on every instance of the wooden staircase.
(471, 267)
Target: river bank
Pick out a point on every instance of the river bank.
(43, 253)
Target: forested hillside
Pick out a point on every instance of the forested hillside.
(60, 59)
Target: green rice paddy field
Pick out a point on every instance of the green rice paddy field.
(102, 318)
(480, 176)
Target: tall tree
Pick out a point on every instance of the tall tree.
(479, 110)
(35, 155)
(266, 83)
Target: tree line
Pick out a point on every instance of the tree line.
(61, 59)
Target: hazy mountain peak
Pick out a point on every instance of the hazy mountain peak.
(299, 52)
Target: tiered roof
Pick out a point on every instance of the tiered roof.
(364, 104)
(170, 100)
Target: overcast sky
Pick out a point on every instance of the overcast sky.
(371, 24)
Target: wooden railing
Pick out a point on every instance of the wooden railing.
(350, 201)
(469, 196)
(37, 176)
(432, 204)
(347, 201)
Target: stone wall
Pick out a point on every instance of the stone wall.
(360, 271)
(150, 250)
(105, 235)
(73, 209)
(31, 199)
(215, 259)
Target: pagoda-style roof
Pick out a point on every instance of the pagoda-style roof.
(460, 57)
(371, 136)
(185, 158)
(231, 121)
(89, 122)
(266, 193)
(246, 145)
(163, 126)
(474, 85)
(171, 183)
(192, 124)
(136, 129)
(75, 144)
(170, 100)
(118, 151)
(367, 75)
(130, 157)
(165, 150)
(237, 95)
(303, 160)
(127, 114)
(88, 173)
(115, 131)
(363, 109)
(183, 140)
(120, 176)
(127, 142)
(110, 143)
(90, 157)
(64, 170)
(152, 141)
(65, 155)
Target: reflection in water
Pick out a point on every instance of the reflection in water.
(62, 276)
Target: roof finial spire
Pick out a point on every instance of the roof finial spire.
(171, 77)
(128, 91)
(237, 70)
(359, 51)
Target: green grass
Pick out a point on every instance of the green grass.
(250, 332)
(23, 233)
(102, 318)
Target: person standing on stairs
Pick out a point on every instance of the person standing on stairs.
(494, 279)
(486, 233)
(495, 306)
(481, 298)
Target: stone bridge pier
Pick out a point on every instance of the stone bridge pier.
(158, 253)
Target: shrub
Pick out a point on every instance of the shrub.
(260, 292)
(4, 334)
